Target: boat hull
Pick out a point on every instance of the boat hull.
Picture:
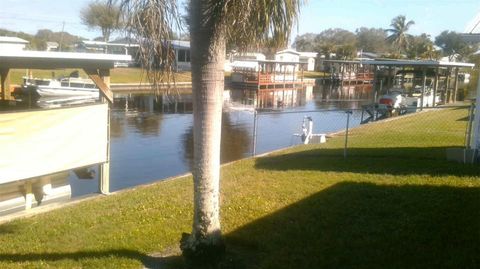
(48, 91)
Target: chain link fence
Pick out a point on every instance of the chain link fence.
(369, 127)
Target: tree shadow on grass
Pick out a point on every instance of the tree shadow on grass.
(395, 161)
(360, 225)
(169, 262)
(8, 228)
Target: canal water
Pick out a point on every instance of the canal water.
(152, 136)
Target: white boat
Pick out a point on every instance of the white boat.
(63, 87)
(428, 100)
(394, 99)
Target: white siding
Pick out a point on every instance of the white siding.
(36, 143)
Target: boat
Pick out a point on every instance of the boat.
(393, 100)
(415, 100)
(68, 86)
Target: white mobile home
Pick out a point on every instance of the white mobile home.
(309, 58)
(182, 55)
(8, 43)
(291, 55)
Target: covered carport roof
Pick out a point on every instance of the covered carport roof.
(410, 63)
(95, 65)
(52, 60)
(422, 63)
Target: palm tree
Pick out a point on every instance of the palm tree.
(211, 23)
(398, 33)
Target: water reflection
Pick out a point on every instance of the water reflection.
(236, 140)
(271, 99)
(343, 96)
(152, 136)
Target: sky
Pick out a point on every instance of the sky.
(431, 17)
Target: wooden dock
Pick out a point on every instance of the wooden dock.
(269, 74)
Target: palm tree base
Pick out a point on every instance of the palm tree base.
(202, 253)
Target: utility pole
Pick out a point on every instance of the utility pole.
(61, 37)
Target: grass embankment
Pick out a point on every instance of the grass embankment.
(394, 203)
(118, 75)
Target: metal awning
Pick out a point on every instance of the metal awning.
(404, 63)
(53, 60)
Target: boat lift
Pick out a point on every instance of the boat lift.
(307, 136)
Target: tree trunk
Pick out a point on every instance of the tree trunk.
(205, 245)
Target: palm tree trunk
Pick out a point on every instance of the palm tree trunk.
(205, 243)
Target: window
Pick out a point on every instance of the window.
(181, 55)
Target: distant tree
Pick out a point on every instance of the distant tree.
(339, 41)
(398, 33)
(347, 51)
(101, 14)
(421, 47)
(371, 39)
(305, 42)
(40, 39)
(453, 45)
(65, 39)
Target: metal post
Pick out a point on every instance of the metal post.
(104, 175)
(435, 87)
(468, 133)
(476, 121)
(424, 82)
(255, 120)
(455, 86)
(447, 86)
(374, 86)
(346, 134)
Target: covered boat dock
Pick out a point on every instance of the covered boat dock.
(268, 74)
(436, 70)
(385, 74)
(40, 143)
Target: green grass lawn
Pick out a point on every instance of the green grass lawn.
(393, 203)
(118, 75)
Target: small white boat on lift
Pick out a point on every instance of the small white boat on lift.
(68, 86)
(428, 100)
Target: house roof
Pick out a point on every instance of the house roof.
(107, 44)
(412, 63)
(308, 54)
(288, 51)
(180, 44)
(250, 55)
(52, 44)
(12, 40)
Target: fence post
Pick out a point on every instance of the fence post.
(254, 146)
(346, 134)
(468, 133)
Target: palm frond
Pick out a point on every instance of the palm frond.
(253, 23)
(151, 24)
